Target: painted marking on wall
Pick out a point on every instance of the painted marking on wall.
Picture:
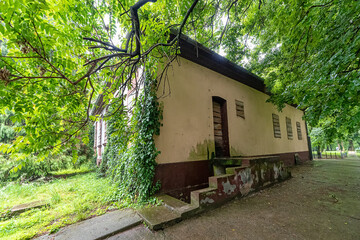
(262, 174)
(276, 172)
(246, 181)
(228, 188)
(206, 200)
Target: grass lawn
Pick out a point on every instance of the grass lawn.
(81, 169)
(71, 200)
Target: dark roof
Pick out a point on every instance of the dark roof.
(197, 53)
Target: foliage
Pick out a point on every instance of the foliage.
(32, 168)
(333, 153)
(84, 168)
(8, 129)
(71, 200)
(321, 140)
(130, 153)
(44, 55)
(317, 138)
(308, 52)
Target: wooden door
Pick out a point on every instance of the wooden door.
(221, 135)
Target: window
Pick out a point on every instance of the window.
(298, 129)
(95, 135)
(289, 129)
(276, 125)
(100, 132)
(105, 135)
(240, 109)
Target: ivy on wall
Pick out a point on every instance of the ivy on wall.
(130, 154)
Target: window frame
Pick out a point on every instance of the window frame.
(240, 109)
(298, 130)
(276, 125)
(289, 131)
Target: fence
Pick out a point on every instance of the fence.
(329, 155)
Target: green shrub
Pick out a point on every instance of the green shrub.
(32, 169)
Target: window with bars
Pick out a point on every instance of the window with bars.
(276, 125)
(240, 109)
(298, 129)
(289, 129)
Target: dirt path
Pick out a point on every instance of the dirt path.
(321, 201)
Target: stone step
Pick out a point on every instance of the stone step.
(27, 206)
(234, 170)
(159, 217)
(215, 181)
(220, 164)
(257, 160)
(170, 211)
(184, 209)
(188, 210)
(262, 157)
(238, 161)
(171, 202)
(203, 196)
(195, 195)
(230, 161)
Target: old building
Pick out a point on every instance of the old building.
(217, 111)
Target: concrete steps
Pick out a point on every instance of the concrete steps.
(168, 213)
(171, 202)
(236, 181)
(221, 164)
(159, 217)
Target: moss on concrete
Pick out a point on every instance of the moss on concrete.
(202, 151)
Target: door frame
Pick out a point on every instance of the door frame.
(224, 125)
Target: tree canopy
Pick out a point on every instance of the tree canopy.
(312, 59)
(57, 56)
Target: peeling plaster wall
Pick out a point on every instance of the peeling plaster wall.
(187, 131)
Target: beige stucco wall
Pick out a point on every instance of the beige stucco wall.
(187, 131)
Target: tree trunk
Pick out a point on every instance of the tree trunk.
(318, 151)
(351, 145)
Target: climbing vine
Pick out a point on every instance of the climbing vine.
(129, 157)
